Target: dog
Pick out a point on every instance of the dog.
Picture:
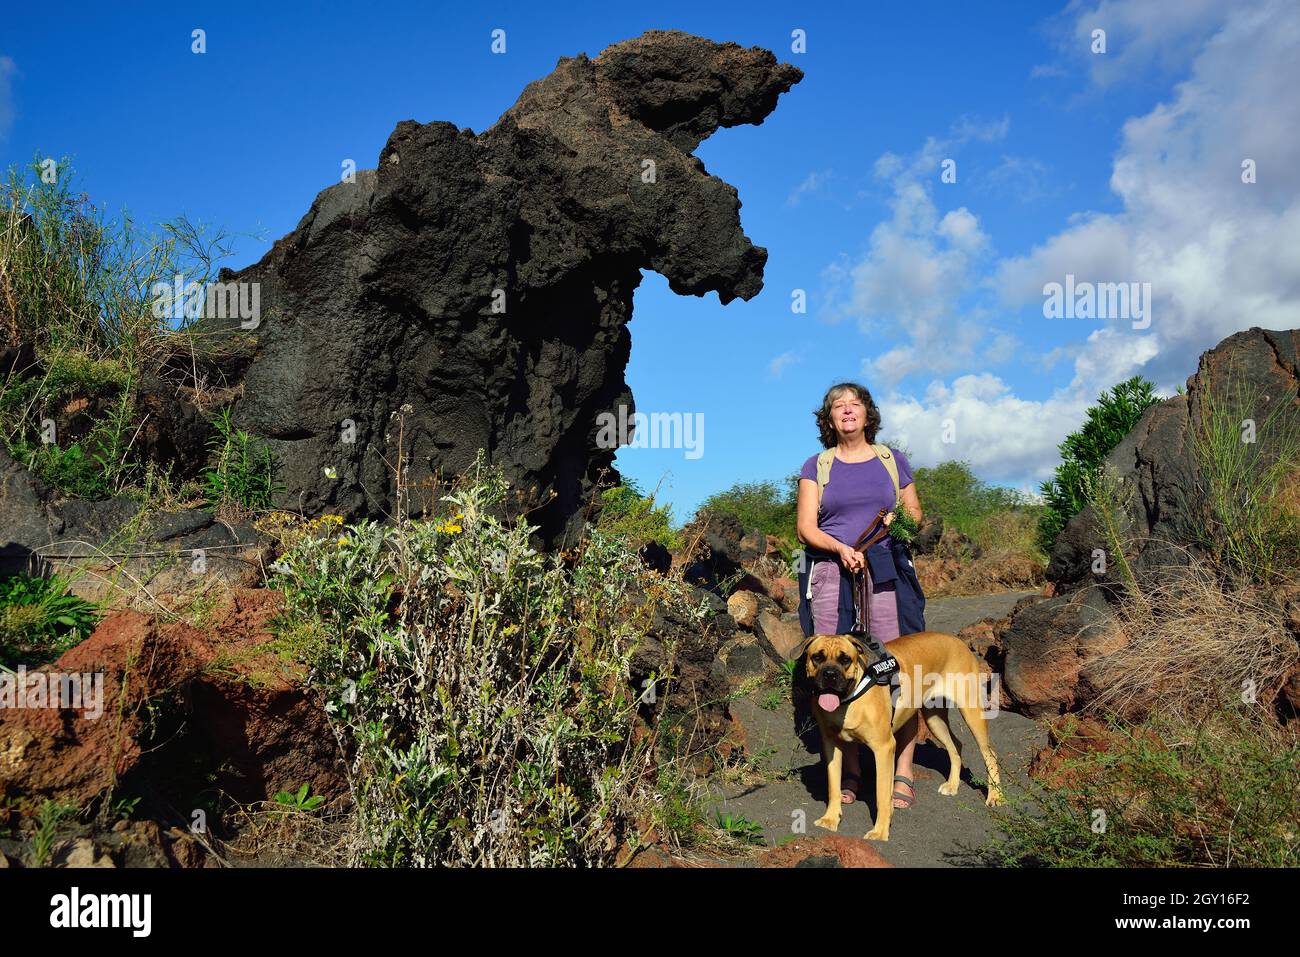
(946, 669)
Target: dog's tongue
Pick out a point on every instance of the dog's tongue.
(828, 702)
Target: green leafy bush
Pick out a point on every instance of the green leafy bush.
(1220, 793)
(952, 492)
(40, 619)
(762, 505)
(299, 800)
(627, 512)
(242, 475)
(1113, 417)
(70, 471)
(485, 687)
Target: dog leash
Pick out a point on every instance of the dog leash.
(884, 670)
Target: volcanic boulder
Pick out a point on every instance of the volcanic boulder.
(474, 290)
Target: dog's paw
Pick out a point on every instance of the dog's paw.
(948, 788)
(876, 834)
(828, 822)
(994, 799)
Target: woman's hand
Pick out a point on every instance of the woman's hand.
(850, 557)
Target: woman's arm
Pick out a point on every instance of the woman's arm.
(911, 504)
(810, 534)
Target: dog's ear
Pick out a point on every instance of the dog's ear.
(803, 647)
(860, 647)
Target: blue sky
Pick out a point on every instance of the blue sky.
(1114, 166)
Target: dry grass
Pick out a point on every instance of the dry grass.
(271, 835)
(1195, 646)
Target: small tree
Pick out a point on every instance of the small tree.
(1113, 417)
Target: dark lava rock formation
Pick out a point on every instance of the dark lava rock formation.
(1256, 372)
(1050, 649)
(484, 281)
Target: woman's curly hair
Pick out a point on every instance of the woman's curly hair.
(870, 425)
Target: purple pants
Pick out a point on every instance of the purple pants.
(883, 613)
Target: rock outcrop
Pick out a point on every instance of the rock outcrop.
(1052, 650)
(473, 291)
(1156, 461)
(114, 546)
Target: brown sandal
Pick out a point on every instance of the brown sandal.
(852, 791)
(907, 798)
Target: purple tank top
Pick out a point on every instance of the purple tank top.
(856, 492)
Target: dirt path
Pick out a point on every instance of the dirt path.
(935, 831)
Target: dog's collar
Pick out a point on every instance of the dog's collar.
(877, 673)
(859, 691)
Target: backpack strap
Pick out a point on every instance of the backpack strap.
(891, 466)
(827, 456)
(824, 460)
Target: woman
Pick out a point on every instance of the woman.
(860, 486)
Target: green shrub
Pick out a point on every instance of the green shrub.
(76, 280)
(740, 828)
(1221, 793)
(627, 512)
(40, 619)
(242, 475)
(1113, 417)
(78, 286)
(71, 471)
(485, 688)
(952, 492)
(96, 467)
(761, 505)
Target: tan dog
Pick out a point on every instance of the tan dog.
(946, 668)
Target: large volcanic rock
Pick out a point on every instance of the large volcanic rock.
(1155, 460)
(484, 281)
(1052, 650)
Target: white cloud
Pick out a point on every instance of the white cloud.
(1220, 254)
(917, 266)
(1005, 438)
(812, 182)
(1140, 36)
(7, 71)
(778, 365)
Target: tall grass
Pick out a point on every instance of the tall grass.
(77, 286)
(951, 491)
(73, 279)
(1246, 445)
(1190, 645)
